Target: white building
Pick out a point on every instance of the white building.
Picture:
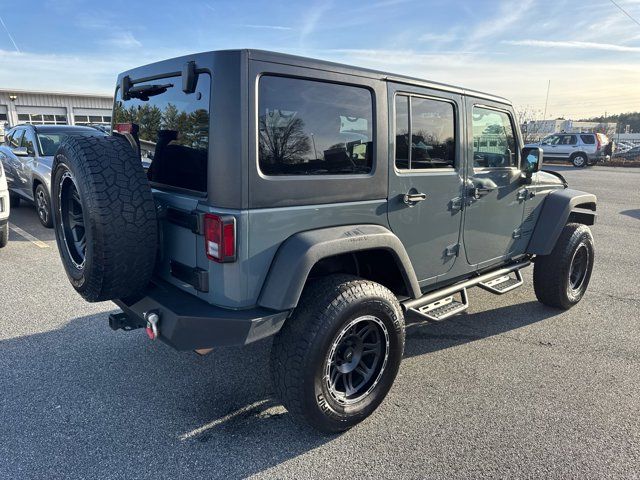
(53, 108)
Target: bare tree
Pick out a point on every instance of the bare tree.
(283, 143)
(531, 123)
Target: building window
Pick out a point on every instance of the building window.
(42, 119)
(3, 117)
(92, 119)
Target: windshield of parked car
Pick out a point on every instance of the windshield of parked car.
(48, 143)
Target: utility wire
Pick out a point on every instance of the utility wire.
(625, 12)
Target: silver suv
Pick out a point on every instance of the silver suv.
(581, 149)
(27, 155)
(4, 209)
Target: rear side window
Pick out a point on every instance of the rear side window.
(308, 127)
(173, 128)
(588, 139)
(425, 133)
(494, 143)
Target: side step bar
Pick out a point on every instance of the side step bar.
(503, 284)
(432, 305)
(444, 308)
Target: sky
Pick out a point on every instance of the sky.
(588, 49)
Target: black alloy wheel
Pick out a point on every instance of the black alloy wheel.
(72, 219)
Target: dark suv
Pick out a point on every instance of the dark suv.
(316, 202)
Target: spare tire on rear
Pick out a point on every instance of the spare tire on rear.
(104, 217)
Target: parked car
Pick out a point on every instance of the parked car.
(581, 149)
(4, 209)
(27, 155)
(316, 202)
(630, 154)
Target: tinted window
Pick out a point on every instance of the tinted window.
(568, 140)
(494, 143)
(28, 143)
(16, 138)
(402, 132)
(588, 139)
(173, 130)
(431, 128)
(314, 128)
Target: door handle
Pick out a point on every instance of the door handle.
(412, 198)
(479, 192)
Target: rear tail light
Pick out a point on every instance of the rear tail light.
(220, 238)
(598, 141)
(124, 128)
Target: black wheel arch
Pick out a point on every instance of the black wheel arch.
(346, 249)
(559, 208)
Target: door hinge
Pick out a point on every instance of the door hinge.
(456, 204)
(523, 194)
(452, 250)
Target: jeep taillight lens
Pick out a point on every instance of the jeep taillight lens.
(124, 127)
(220, 237)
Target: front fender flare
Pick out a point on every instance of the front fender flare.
(556, 211)
(299, 253)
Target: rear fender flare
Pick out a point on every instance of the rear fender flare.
(299, 253)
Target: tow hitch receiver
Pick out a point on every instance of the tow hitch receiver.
(121, 321)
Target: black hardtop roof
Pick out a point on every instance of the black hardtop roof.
(294, 60)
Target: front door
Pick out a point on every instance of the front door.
(426, 176)
(495, 195)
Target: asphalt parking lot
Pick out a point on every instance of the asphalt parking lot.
(509, 389)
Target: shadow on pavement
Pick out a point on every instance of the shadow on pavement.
(634, 213)
(26, 218)
(425, 338)
(83, 401)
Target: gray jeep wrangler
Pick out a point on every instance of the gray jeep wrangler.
(245, 194)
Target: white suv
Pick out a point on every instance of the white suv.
(4, 209)
(581, 149)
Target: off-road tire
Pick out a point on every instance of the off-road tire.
(44, 211)
(4, 235)
(552, 273)
(118, 214)
(575, 160)
(300, 352)
(14, 200)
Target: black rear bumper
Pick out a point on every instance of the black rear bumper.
(188, 323)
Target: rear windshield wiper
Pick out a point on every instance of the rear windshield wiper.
(143, 92)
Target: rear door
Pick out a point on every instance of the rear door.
(566, 146)
(495, 204)
(426, 176)
(173, 132)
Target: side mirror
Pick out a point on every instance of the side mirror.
(20, 152)
(531, 160)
